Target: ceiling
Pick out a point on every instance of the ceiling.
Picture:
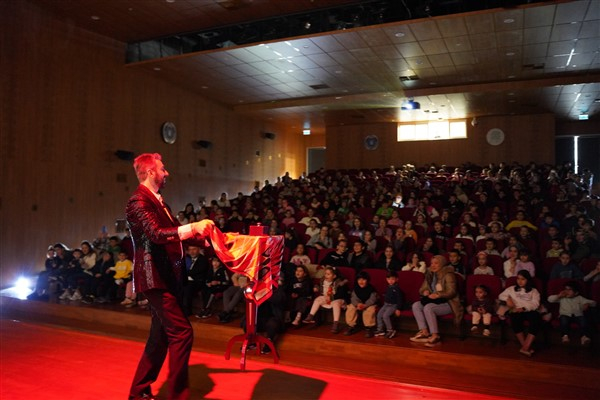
(542, 57)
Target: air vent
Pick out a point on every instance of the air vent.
(409, 78)
(534, 66)
(320, 86)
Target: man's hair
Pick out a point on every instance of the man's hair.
(143, 163)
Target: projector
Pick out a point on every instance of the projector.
(411, 105)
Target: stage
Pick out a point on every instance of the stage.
(57, 351)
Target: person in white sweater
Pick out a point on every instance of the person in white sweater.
(522, 301)
(572, 308)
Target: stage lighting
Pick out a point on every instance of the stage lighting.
(410, 105)
(22, 288)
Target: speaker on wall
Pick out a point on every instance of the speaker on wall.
(269, 135)
(125, 155)
(204, 144)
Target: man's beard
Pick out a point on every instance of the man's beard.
(160, 183)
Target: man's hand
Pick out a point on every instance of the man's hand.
(202, 228)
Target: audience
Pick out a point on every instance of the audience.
(428, 205)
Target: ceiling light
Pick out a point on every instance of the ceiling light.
(95, 17)
(306, 132)
(509, 20)
(583, 117)
(510, 53)
(410, 105)
(399, 34)
(157, 68)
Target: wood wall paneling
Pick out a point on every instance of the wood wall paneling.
(68, 103)
(528, 138)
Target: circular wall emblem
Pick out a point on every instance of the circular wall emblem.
(371, 142)
(169, 132)
(495, 136)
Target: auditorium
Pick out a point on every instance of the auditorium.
(429, 166)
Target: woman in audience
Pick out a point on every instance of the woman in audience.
(388, 260)
(439, 296)
(357, 229)
(415, 263)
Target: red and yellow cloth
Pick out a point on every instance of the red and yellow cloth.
(256, 257)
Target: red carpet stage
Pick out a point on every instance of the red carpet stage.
(53, 363)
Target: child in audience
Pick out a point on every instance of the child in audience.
(490, 247)
(555, 249)
(217, 281)
(232, 296)
(300, 258)
(123, 269)
(464, 233)
(409, 231)
(572, 309)
(482, 309)
(300, 293)
(455, 261)
(392, 305)
(483, 235)
(522, 301)
(524, 263)
(331, 292)
(363, 299)
(482, 266)
(510, 265)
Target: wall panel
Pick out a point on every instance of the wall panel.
(528, 138)
(68, 103)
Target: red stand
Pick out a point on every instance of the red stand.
(250, 337)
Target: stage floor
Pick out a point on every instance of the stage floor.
(43, 362)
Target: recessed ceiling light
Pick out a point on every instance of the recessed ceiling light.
(509, 20)
(157, 68)
(399, 34)
(204, 87)
(510, 53)
(95, 17)
(433, 83)
(337, 98)
(170, 1)
(510, 76)
(512, 101)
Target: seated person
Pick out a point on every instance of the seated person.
(331, 293)
(217, 281)
(439, 296)
(338, 257)
(490, 247)
(363, 301)
(300, 294)
(269, 319)
(564, 268)
(232, 296)
(482, 267)
(359, 259)
(572, 309)
(416, 263)
(555, 249)
(523, 301)
(388, 260)
(455, 259)
(322, 240)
